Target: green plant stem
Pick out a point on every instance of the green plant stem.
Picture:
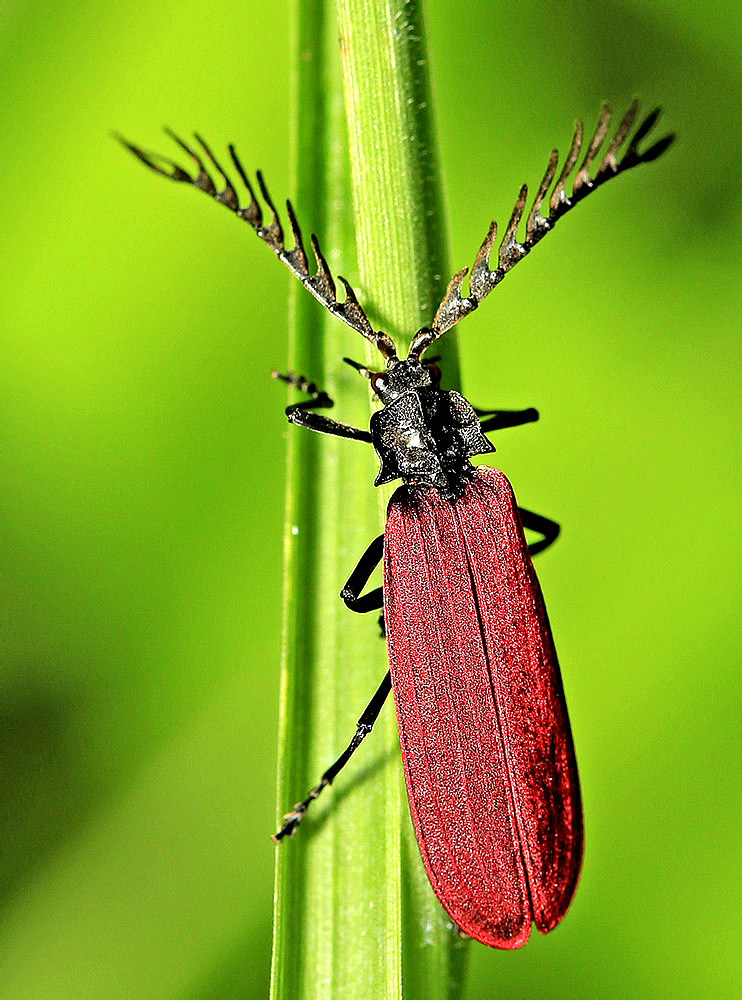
(403, 264)
(355, 916)
(397, 189)
(333, 919)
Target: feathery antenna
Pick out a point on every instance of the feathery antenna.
(320, 284)
(483, 279)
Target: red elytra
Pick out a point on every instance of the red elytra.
(486, 745)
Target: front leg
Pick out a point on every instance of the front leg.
(497, 420)
(302, 415)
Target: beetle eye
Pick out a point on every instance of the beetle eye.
(378, 384)
(435, 372)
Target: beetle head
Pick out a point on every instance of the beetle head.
(399, 377)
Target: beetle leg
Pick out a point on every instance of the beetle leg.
(543, 525)
(351, 592)
(364, 726)
(499, 419)
(300, 413)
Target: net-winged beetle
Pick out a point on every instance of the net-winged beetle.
(485, 739)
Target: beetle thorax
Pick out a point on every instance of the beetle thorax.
(423, 434)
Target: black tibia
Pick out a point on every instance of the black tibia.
(364, 726)
(497, 420)
(351, 592)
(300, 413)
(543, 525)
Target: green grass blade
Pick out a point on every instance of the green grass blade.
(397, 191)
(403, 263)
(337, 907)
(354, 914)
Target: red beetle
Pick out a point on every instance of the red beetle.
(483, 727)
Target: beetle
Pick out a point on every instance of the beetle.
(486, 745)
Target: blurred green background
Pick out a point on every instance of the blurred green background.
(142, 448)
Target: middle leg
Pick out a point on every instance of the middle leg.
(548, 529)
